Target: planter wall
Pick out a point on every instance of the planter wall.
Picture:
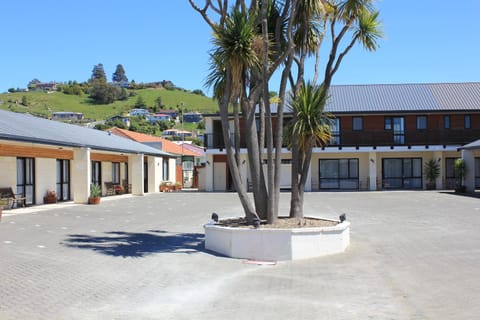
(277, 244)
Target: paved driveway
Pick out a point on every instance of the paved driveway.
(414, 255)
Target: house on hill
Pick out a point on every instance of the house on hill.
(154, 118)
(38, 155)
(139, 112)
(382, 135)
(67, 116)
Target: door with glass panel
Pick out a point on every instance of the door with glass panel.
(402, 173)
(335, 132)
(26, 179)
(63, 180)
(338, 174)
(97, 173)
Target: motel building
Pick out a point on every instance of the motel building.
(38, 155)
(382, 135)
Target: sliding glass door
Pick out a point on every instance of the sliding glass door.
(26, 179)
(63, 180)
(402, 173)
(338, 174)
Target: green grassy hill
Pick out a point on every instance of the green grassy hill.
(43, 103)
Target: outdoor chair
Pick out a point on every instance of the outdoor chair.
(11, 199)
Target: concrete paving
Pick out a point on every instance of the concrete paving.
(413, 255)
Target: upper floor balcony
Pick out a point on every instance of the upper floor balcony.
(381, 138)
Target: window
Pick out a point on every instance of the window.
(339, 174)
(402, 173)
(97, 173)
(116, 172)
(446, 122)
(63, 180)
(467, 122)
(165, 169)
(388, 123)
(335, 130)
(397, 125)
(357, 123)
(26, 178)
(421, 122)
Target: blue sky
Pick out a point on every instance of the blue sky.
(53, 40)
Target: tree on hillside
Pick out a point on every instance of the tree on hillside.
(98, 73)
(252, 41)
(140, 103)
(119, 74)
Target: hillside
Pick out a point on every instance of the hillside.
(43, 103)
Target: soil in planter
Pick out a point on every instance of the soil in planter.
(282, 223)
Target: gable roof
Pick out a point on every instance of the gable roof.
(27, 128)
(404, 97)
(166, 144)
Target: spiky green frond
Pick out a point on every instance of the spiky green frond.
(369, 29)
(312, 125)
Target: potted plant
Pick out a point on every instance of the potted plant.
(460, 171)
(95, 193)
(51, 197)
(432, 172)
(178, 186)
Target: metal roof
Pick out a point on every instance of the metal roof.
(404, 97)
(28, 128)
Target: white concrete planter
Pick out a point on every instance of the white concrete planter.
(277, 244)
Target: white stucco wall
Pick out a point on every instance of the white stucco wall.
(154, 173)
(8, 172)
(209, 173)
(135, 164)
(106, 175)
(45, 177)
(80, 173)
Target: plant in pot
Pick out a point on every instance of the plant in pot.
(95, 193)
(432, 172)
(460, 171)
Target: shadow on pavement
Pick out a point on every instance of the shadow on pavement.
(138, 245)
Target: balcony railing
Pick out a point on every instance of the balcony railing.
(379, 138)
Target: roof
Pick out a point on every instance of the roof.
(27, 128)
(404, 97)
(410, 97)
(166, 144)
(475, 145)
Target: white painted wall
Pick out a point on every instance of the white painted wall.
(45, 177)
(209, 173)
(106, 175)
(154, 173)
(80, 174)
(8, 172)
(135, 163)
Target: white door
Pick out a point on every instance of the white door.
(219, 176)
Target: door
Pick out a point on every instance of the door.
(63, 180)
(402, 173)
(398, 130)
(26, 179)
(145, 177)
(97, 173)
(219, 176)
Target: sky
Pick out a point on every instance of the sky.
(56, 40)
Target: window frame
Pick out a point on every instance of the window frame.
(446, 122)
(359, 121)
(420, 125)
(467, 121)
